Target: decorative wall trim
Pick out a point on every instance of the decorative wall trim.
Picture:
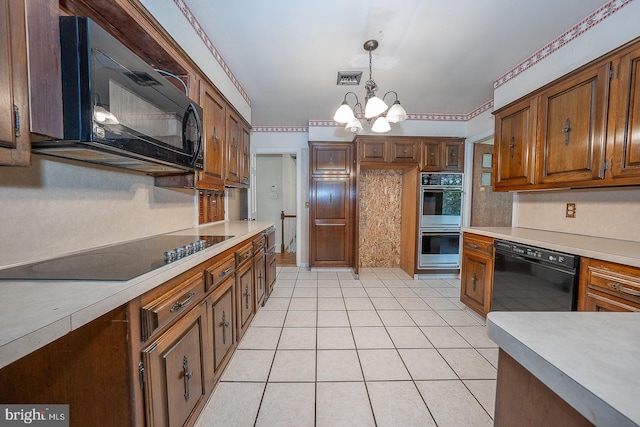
(209, 44)
(572, 33)
(303, 129)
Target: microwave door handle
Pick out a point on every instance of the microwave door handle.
(198, 143)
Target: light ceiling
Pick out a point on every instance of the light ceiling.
(441, 56)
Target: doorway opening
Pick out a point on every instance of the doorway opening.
(276, 201)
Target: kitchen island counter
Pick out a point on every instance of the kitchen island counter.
(589, 360)
(34, 313)
(613, 250)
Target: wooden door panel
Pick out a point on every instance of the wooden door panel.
(223, 323)
(331, 159)
(431, 157)
(331, 199)
(331, 243)
(572, 131)
(214, 134)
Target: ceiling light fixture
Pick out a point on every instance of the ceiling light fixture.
(374, 107)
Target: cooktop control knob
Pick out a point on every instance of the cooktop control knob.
(169, 256)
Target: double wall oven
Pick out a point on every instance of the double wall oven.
(440, 201)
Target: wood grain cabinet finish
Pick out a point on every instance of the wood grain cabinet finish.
(373, 150)
(15, 142)
(174, 375)
(214, 137)
(331, 204)
(585, 127)
(233, 148)
(405, 151)
(222, 324)
(245, 160)
(245, 298)
(442, 154)
(572, 128)
(606, 286)
(476, 278)
(623, 149)
(376, 150)
(259, 278)
(515, 139)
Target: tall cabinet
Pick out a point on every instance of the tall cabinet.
(331, 204)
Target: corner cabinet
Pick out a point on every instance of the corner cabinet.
(331, 204)
(606, 286)
(15, 142)
(476, 277)
(576, 132)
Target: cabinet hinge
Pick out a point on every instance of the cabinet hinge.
(141, 374)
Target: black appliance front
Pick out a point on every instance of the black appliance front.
(528, 278)
(123, 261)
(114, 101)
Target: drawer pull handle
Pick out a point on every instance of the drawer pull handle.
(247, 255)
(512, 146)
(566, 129)
(227, 271)
(246, 295)
(187, 376)
(473, 246)
(620, 288)
(180, 304)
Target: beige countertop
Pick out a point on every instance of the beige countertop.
(590, 360)
(619, 251)
(35, 313)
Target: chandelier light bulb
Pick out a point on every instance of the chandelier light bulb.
(374, 107)
(354, 126)
(381, 125)
(344, 113)
(396, 113)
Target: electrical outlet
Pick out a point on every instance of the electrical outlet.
(571, 210)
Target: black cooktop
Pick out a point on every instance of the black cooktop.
(116, 262)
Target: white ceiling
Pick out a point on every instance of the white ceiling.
(440, 56)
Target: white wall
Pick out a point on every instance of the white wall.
(56, 207)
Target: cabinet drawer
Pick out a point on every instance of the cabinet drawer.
(216, 274)
(163, 310)
(244, 254)
(479, 244)
(258, 243)
(620, 284)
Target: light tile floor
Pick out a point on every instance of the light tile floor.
(384, 350)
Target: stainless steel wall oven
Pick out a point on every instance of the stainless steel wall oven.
(440, 220)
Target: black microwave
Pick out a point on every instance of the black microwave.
(119, 111)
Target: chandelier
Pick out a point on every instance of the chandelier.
(374, 107)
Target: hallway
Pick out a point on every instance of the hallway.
(384, 350)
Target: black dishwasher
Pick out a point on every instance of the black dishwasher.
(527, 278)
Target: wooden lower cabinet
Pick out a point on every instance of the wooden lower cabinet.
(222, 324)
(606, 286)
(259, 278)
(270, 270)
(174, 371)
(476, 278)
(153, 361)
(244, 298)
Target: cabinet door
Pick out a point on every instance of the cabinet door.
(515, 138)
(605, 286)
(476, 281)
(223, 324)
(234, 148)
(244, 297)
(572, 128)
(625, 153)
(259, 278)
(246, 156)
(331, 158)
(330, 217)
(270, 271)
(214, 111)
(453, 155)
(405, 151)
(15, 142)
(174, 369)
(373, 151)
(431, 156)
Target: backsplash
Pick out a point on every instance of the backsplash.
(55, 207)
(604, 212)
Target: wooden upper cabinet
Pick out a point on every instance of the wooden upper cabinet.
(572, 128)
(373, 151)
(442, 154)
(515, 138)
(213, 125)
(331, 159)
(15, 142)
(404, 151)
(623, 151)
(233, 148)
(245, 160)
